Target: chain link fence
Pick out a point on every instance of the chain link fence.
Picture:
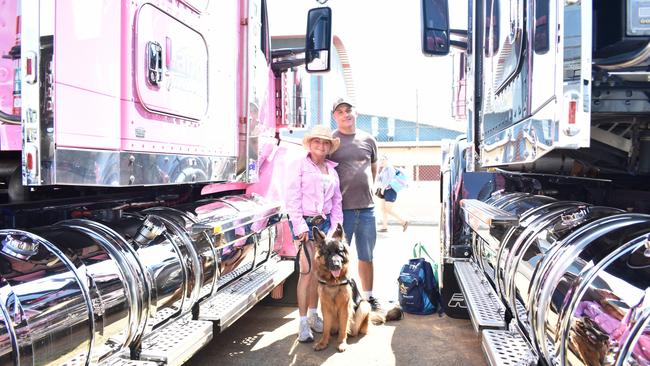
(414, 147)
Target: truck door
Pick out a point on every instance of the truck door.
(504, 78)
(535, 73)
(543, 52)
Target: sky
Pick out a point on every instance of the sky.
(391, 76)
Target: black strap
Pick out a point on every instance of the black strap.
(304, 244)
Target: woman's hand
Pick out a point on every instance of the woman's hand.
(303, 237)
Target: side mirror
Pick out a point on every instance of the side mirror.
(318, 39)
(435, 27)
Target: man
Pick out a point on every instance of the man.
(357, 168)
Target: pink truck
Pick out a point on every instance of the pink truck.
(141, 209)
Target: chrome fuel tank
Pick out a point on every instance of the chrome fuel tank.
(574, 277)
(87, 292)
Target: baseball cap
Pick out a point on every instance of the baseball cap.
(341, 101)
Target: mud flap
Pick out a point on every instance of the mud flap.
(452, 296)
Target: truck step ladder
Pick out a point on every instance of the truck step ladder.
(237, 298)
(506, 348)
(171, 345)
(485, 309)
(117, 361)
(179, 341)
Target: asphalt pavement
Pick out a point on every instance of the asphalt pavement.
(266, 335)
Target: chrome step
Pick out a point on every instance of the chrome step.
(234, 300)
(485, 309)
(117, 361)
(507, 348)
(177, 342)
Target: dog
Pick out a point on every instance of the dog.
(344, 310)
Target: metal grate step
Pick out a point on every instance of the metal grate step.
(117, 361)
(506, 348)
(235, 299)
(177, 342)
(485, 309)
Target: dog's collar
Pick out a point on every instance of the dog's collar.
(346, 281)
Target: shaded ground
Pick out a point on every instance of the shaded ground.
(267, 334)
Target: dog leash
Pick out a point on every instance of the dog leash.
(303, 244)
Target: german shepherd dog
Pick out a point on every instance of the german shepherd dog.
(344, 310)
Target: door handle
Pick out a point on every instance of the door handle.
(154, 63)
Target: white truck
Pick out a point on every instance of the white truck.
(545, 227)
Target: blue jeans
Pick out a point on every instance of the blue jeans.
(360, 224)
(323, 226)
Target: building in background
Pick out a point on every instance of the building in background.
(411, 145)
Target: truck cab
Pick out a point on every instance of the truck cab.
(137, 215)
(545, 205)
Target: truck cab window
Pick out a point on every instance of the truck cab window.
(541, 41)
(491, 43)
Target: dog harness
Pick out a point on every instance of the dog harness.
(356, 295)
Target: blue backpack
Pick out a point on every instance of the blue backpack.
(418, 286)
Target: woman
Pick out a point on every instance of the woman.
(313, 200)
(387, 195)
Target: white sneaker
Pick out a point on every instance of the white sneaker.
(316, 323)
(304, 333)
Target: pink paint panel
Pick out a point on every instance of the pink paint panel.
(87, 74)
(272, 183)
(92, 121)
(7, 66)
(11, 138)
(223, 187)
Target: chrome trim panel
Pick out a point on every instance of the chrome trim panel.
(524, 142)
(32, 131)
(121, 168)
(576, 44)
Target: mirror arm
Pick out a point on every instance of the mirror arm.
(458, 44)
(281, 66)
(284, 52)
(458, 32)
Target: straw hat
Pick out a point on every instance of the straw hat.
(324, 133)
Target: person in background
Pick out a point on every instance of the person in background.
(387, 194)
(357, 159)
(313, 199)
